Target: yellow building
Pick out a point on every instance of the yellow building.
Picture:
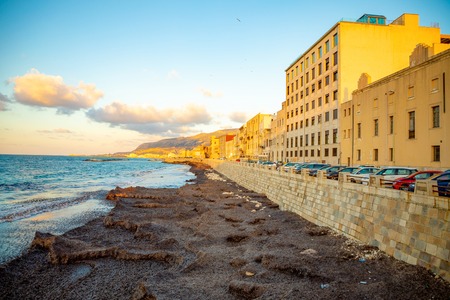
(325, 75)
(226, 145)
(257, 132)
(277, 135)
(402, 119)
(214, 148)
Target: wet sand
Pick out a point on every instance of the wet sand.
(210, 239)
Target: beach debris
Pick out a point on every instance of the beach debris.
(309, 251)
(324, 285)
(249, 274)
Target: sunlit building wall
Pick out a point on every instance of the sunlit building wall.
(402, 119)
(325, 75)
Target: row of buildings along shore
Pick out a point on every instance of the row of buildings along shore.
(369, 91)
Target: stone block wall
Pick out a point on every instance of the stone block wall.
(410, 227)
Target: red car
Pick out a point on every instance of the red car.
(403, 183)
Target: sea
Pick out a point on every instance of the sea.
(55, 194)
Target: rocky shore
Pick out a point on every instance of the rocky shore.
(210, 239)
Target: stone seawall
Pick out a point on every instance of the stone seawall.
(410, 227)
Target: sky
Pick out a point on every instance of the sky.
(104, 76)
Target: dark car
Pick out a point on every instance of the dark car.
(334, 174)
(316, 167)
(404, 182)
(442, 184)
(309, 166)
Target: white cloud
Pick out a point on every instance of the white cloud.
(173, 74)
(150, 119)
(238, 117)
(37, 89)
(3, 100)
(209, 94)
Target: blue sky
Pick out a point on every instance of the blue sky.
(87, 77)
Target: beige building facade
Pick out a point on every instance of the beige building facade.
(402, 119)
(325, 75)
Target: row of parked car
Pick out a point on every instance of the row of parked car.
(400, 178)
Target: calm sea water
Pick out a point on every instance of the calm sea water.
(58, 193)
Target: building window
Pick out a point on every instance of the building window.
(318, 138)
(313, 88)
(313, 57)
(313, 73)
(319, 102)
(327, 116)
(296, 125)
(327, 46)
(312, 139)
(335, 132)
(391, 154)
(335, 40)
(319, 84)
(307, 62)
(313, 104)
(358, 154)
(375, 127)
(335, 95)
(320, 69)
(307, 106)
(436, 153)
(312, 152)
(434, 84)
(313, 121)
(296, 143)
(335, 58)
(335, 76)
(359, 130)
(334, 151)
(320, 52)
(335, 114)
(411, 92)
(307, 77)
(307, 91)
(307, 123)
(391, 124)
(436, 121)
(412, 125)
(327, 64)
(301, 153)
(306, 140)
(327, 80)
(301, 141)
(296, 70)
(296, 84)
(302, 68)
(375, 103)
(375, 154)
(306, 153)
(326, 152)
(301, 81)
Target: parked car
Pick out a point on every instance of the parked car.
(290, 165)
(309, 166)
(313, 168)
(362, 173)
(442, 184)
(390, 174)
(404, 182)
(332, 168)
(269, 164)
(335, 174)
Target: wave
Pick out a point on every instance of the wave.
(37, 206)
(21, 186)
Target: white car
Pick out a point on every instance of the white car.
(388, 175)
(361, 174)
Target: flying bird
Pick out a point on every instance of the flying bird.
(238, 19)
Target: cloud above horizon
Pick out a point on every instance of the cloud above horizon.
(209, 94)
(3, 100)
(238, 117)
(38, 89)
(151, 120)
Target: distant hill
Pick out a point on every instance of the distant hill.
(183, 142)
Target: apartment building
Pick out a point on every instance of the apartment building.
(277, 135)
(327, 73)
(402, 119)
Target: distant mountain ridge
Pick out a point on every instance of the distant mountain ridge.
(184, 142)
